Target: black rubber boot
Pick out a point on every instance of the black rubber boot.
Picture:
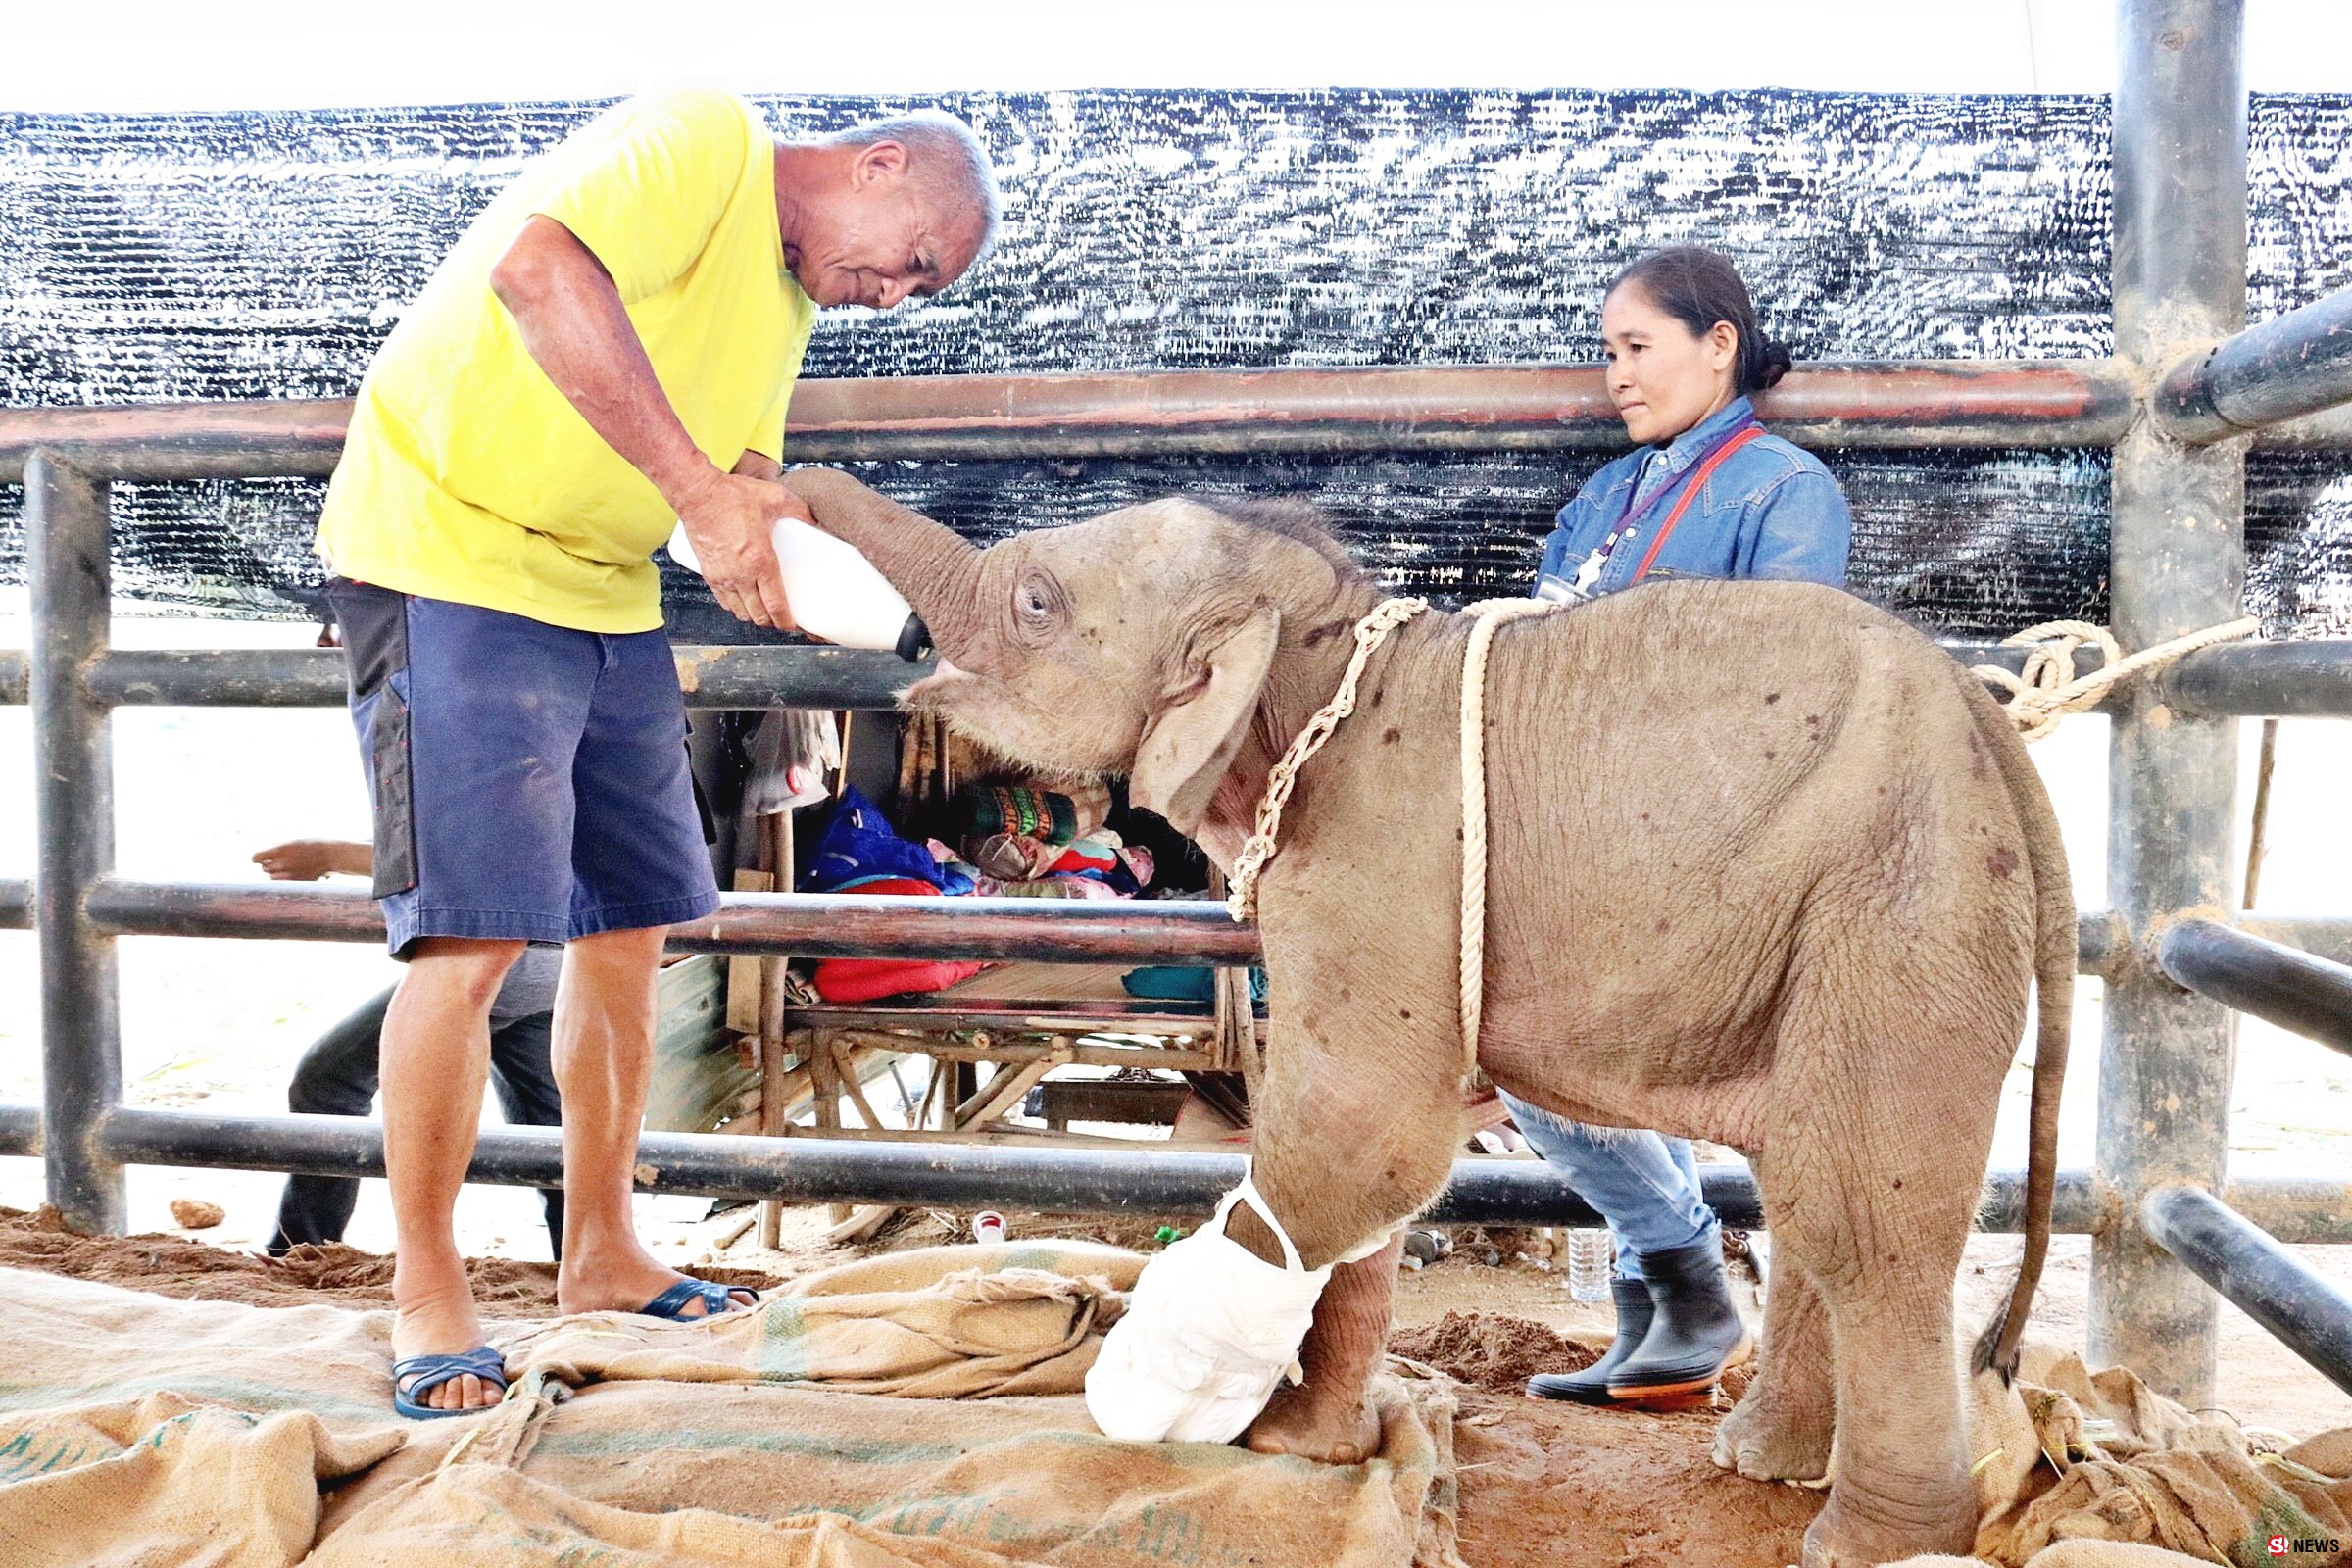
(1591, 1385)
(1694, 1331)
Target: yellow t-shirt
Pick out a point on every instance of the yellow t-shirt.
(468, 477)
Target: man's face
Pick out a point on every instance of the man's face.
(880, 236)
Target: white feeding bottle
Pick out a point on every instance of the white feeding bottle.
(834, 592)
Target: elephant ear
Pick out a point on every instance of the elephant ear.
(1188, 747)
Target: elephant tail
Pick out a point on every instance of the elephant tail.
(2055, 949)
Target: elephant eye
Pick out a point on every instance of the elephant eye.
(1037, 603)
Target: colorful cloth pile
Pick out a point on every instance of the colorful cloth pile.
(862, 853)
(1030, 841)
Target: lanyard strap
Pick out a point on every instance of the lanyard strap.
(1697, 482)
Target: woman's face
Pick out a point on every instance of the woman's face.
(1663, 378)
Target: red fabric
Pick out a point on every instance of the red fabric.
(847, 980)
(1075, 858)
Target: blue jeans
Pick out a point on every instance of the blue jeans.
(338, 1076)
(1645, 1185)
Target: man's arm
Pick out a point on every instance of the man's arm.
(309, 859)
(575, 325)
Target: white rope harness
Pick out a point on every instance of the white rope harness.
(2044, 694)
(2048, 689)
(1491, 613)
(1240, 901)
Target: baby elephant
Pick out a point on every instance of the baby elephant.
(1766, 866)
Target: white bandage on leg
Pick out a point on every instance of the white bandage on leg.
(1210, 1329)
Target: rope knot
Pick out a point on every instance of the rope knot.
(2047, 689)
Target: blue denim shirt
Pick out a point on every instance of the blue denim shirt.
(1770, 510)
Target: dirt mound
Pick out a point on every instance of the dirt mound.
(1489, 1350)
(175, 1266)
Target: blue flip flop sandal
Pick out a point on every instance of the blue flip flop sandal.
(422, 1374)
(717, 1299)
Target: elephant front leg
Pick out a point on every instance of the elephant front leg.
(1328, 1417)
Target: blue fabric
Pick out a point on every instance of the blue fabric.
(859, 846)
(547, 779)
(1771, 510)
(1645, 1185)
(1172, 982)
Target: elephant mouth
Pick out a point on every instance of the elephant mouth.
(938, 688)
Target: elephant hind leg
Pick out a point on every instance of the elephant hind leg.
(1872, 1204)
(1784, 1425)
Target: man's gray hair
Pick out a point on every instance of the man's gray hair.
(948, 161)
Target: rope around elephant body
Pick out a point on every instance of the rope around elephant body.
(2045, 693)
(2048, 690)
(1491, 613)
(1370, 632)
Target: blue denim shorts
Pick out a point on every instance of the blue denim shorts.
(529, 781)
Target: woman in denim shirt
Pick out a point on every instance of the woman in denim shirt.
(1706, 493)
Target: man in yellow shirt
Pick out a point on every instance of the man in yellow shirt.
(609, 347)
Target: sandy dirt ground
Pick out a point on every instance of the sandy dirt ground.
(1543, 1484)
(220, 1024)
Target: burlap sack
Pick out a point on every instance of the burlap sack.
(166, 1481)
(749, 1469)
(2068, 1459)
(1024, 1478)
(942, 1323)
(488, 1517)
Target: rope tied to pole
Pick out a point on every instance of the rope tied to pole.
(2048, 689)
(1370, 632)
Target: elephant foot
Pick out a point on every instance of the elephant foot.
(1841, 1538)
(1764, 1445)
(1315, 1420)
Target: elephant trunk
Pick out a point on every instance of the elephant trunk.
(937, 568)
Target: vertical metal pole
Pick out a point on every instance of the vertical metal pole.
(82, 1036)
(2178, 562)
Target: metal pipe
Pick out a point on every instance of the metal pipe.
(2295, 680)
(760, 676)
(224, 440)
(2322, 935)
(2297, 992)
(746, 924)
(811, 1169)
(720, 677)
(20, 1130)
(1921, 403)
(16, 905)
(74, 805)
(2263, 680)
(828, 925)
(2290, 365)
(2299, 1306)
(2177, 562)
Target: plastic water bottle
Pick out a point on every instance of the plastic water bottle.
(1591, 1262)
(834, 592)
(988, 1226)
